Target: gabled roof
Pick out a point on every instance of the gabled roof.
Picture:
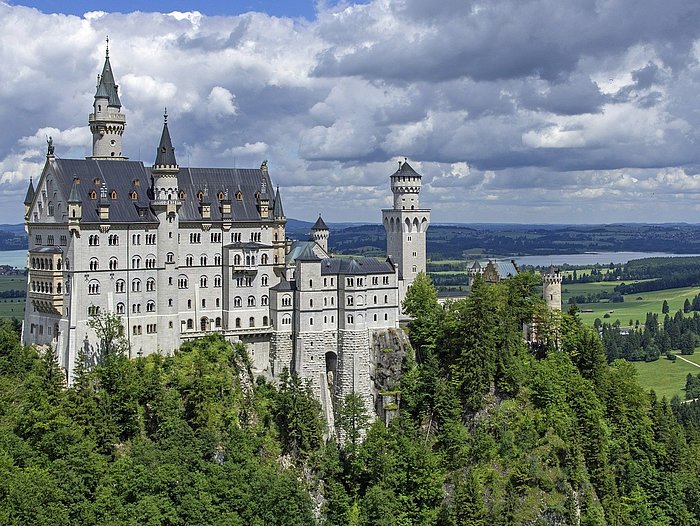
(359, 266)
(74, 197)
(302, 251)
(319, 224)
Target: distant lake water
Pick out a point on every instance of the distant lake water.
(14, 258)
(604, 258)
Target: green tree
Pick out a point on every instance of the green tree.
(687, 307)
(665, 309)
(110, 332)
(298, 415)
(687, 343)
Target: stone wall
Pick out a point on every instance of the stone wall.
(389, 350)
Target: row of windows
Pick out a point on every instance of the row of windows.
(250, 260)
(63, 240)
(238, 301)
(45, 263)
(189, 260)
(45, 287)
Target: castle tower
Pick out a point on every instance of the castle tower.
(107, 122)
(165, 203)
(406, 225)
(551, 288)
(320, 233)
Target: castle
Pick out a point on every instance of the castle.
(180, 253)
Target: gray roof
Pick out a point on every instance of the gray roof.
(284, 285)
(165, 154)
(405, 170)
(30, 193)
(123, 177)
(277, 211)
(551, 270)
(358, 266)
(302, 250)
(319, 224)
(47, 250)
(74, 196)
(249, 245)
(107, 85)
(505, 268)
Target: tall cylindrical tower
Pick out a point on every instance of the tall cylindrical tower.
(551, 288)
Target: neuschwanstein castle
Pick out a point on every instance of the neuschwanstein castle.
(181, 252)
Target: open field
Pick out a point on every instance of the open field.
(632, 308)
(665, 377)
(12, 307)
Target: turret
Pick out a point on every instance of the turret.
(75, 208)
(164, 171)
(406, 225)
(320, 233)
(551, 287)
(106, 121)
(28, 199)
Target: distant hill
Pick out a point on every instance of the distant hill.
(455, 241)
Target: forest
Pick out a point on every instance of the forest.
(490, 430)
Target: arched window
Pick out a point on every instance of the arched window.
(217, 322)
(237, 260)
(182, 282)
(93, 287)
(94, 264)
(263, 301)
(237, 301)
(251, 322)
(217, 259)
(170, 258)
(151, 262)
(238, 323)
(120, 308)
(189, 260)
(203, 282)
(251, 301)
(217, 281)
(136, 285)
(190, 324)
(286, 301)
(263, 280)
(203, 261)
(263, 259)
(120, 285)
(264, 321)
(150, 285)
(136, 262)
(286, 319)
(204, 323)
(113, 263)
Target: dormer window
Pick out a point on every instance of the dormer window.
(97, 181)
(221, 196)
(182, 194)
(136, 182)
(239, 196)
(200, 196)
(113, 195)
(134, 196)
(93, 195)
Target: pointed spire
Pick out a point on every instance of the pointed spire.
(30, 193)
(74, 197)
(165, 155)
(277, 205)
(107, 88)
(319, 224)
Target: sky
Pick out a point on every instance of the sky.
(521, 111)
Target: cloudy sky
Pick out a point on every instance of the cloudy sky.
(529, 111)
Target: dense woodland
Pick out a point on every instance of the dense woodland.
(489, 431)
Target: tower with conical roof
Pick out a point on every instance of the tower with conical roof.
(165, 204)
(406, 225)
(107, 122)
(320, 233)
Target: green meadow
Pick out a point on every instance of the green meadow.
(666, 378)
(635, 306)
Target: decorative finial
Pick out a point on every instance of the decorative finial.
(107, 50)
(165, 116)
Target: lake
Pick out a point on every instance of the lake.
(14, 258)
(604, 258)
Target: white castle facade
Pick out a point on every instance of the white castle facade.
(180, 253)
